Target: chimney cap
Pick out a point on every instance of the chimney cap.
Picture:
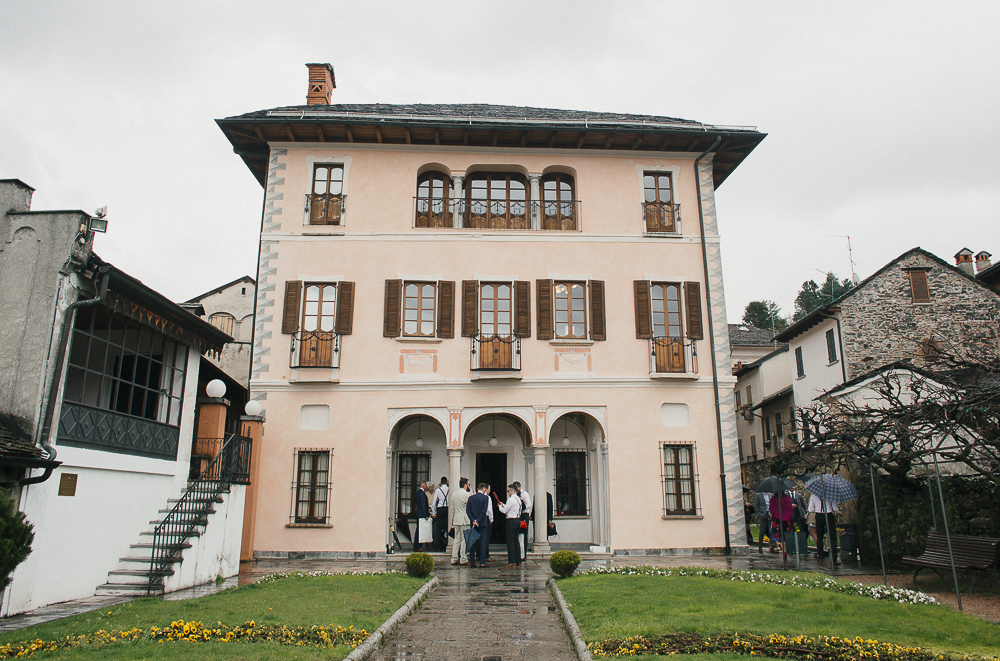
(963, 255)
(982, 254)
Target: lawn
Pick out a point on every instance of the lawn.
(611, 607)
(345, 600)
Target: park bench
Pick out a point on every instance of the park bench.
(972, 554)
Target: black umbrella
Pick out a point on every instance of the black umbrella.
(746, 488)
(774, 484)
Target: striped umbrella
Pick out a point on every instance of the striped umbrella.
(832, 488)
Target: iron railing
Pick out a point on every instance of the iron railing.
(315, 349)
(230, 466)
(661, 218)
(496, 352)
(673, 355)
(326, 208)
(524, 215)
(102, 429)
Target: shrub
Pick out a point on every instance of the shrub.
(564, 563)
(419, 564)
(15, 539)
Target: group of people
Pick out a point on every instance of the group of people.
(786, 511)
(453, 514)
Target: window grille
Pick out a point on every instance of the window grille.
(413, 468)
(680, 480)
(311, 487)
(572, 488)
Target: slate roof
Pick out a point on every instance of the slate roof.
(16, 448)
(747, 335)
(478, 111)
(198, 299)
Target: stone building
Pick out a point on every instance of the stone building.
(230, 309)
(500, 293)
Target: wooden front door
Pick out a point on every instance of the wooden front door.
(318, 314)
(668, 334)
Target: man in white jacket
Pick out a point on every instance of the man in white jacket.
(459, 520)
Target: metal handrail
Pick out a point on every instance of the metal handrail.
(315, 349)
(496, 352)
(230, 466)
(661, 218)
(660, 358)
(330, 210)
(521, 215)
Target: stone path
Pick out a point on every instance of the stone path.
(484, 614)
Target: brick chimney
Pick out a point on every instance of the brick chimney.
(963, 260)
(321, 84)
(982, 261)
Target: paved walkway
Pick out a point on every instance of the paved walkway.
(484, 614)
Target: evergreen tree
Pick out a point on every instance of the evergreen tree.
(812, 295)
(15, 539)
(765, 315)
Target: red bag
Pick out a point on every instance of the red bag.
(524, 525)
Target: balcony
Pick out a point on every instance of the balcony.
(315, 349)
(673, 357)
(101, 429)
(661, 218)
(325, 209)
(496, 354)
(496, 214)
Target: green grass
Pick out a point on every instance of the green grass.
(362, 601)
(609, 607)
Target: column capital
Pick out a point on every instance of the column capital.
(540, 450)
(455, 453)
(534, 177)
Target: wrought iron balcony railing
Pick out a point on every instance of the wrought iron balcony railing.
(101, 429)
(496, 214)
(496, 352)
(673, 355)
(326, 209)
(661, 218)
(315, 349)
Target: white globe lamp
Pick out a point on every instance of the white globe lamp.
(216, 388)
(252, 408)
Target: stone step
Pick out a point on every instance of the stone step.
(205, 499)
(193, 533)
(185, 520)
(126, 590)
(148, 548)
(124, 574)
(210, 510)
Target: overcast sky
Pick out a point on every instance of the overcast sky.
(883, 118)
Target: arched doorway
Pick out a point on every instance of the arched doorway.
(577, 479)
(496, 443)
(418, 453)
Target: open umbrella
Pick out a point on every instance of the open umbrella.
(774, 484)
(831, 487)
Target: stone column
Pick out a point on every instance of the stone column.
(457, 196)
(454, 476)
(253, 427)
(540, 503)
(536, 201)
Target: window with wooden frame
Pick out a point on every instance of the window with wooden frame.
(433, 200)
(562, 310)
(326, 201)
(680, 480)
(659, 318)
(659, 211)
(496, 315)
(800, 368)
(753, 446)
(419, 309)
(739, 402)
(919, 288)
(749, 396)
(767, 430)
(311, 487)
(496, 200)
(739, 443)
(777, 424)
(413, 468)
(317, 313)
(571, 483)
(224, 322)
(831, 346)
(558, 202)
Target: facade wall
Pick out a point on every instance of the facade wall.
(882, 324)
(820, 374)
(236, 301)
(378, 375)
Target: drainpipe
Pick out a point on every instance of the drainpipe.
(64, 333)
(711, 339)
(840, 341)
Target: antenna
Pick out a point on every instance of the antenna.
(850, 256)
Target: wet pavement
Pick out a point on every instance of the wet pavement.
(484, 614)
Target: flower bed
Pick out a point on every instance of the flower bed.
(877, 592)
(806, 648)
(277, 576)
(180, 631)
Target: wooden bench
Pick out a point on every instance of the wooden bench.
(972, 554)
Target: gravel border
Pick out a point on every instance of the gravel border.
(374, 641)
(572, 628)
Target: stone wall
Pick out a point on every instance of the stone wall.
(882, 325)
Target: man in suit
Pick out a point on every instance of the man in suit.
(459, 520)
(476, 509)
(439, 512)
(422, 510)
(760, 506)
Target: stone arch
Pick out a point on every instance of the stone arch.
(523, 422)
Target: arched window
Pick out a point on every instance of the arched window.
(558, 211)
(223, 321)
(433, 192)
(497, 200)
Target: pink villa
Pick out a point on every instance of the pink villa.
(493, 292)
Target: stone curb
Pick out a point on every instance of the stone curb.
(582, 653)
(374, 641)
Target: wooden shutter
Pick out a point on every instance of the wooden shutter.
(470, 308)
(522, 308)
(643, 315)
(293, 299)
(392, 321)
(446, 310)
(544, 288)
(918, 287)
(692, 294)
(597, 326)
(345, 309)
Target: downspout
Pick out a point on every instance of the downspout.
(840, 342)
(64, 333)
(711, 339)
(256, 287)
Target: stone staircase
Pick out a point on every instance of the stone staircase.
(132, 577)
